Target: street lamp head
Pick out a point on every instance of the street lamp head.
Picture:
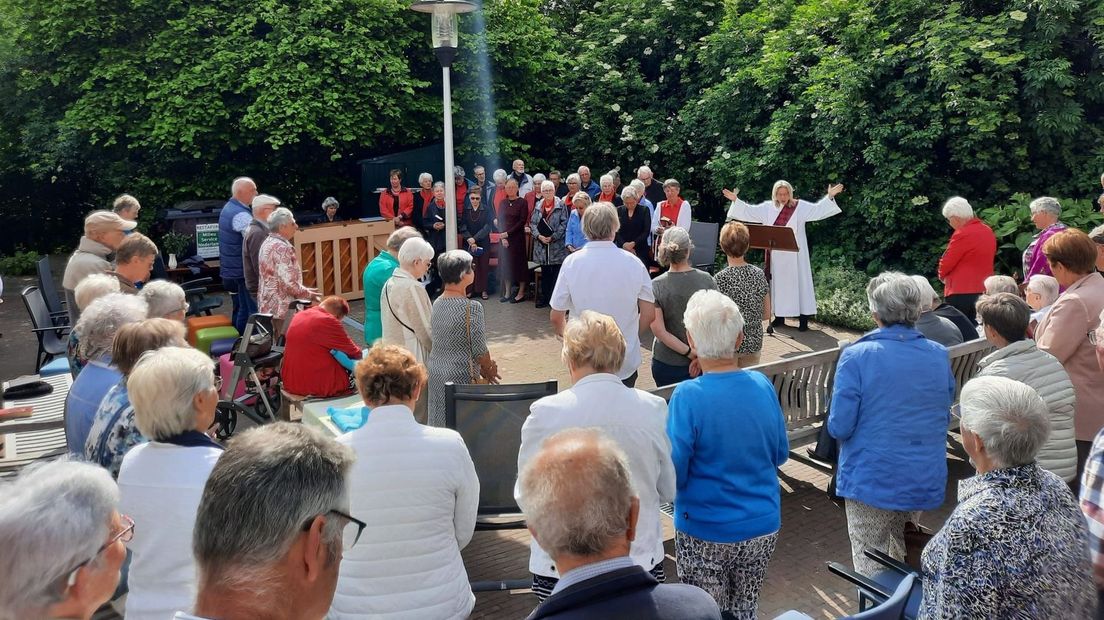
(445, 27)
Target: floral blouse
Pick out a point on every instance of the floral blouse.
(281, 278)
(1016, 546)
(113, 431)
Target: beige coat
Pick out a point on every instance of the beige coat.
(90, 257)
(405, 312)
(1064, 334)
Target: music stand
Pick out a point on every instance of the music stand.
(771, 238)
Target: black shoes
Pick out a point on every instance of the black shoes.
(803, 323)
(779, 321)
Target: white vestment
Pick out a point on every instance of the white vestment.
(791, 272)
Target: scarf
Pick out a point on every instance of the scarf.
(670, 209)
(427, 199)
(786, 213)
(606, 198)
(547, 206)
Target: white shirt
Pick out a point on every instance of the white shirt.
(160, 486)
(637, 422)
(604, 278)
(417, 489)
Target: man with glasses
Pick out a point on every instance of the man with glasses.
(272, 526)
(63, 541)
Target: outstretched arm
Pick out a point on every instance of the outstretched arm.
(740, 210)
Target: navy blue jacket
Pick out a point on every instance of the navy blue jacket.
(230, 240)
(628, 594)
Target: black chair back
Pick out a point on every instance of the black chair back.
(704, 236)
(52, 339)
(489, 418)
(48, 288)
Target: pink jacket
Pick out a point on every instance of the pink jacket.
(1063, 333)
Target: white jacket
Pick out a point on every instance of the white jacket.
(160, 486)
(1024, 362)
(416, 488)
(637, 421)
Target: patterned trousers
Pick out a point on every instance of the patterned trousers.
(732, 573)
(873, 528)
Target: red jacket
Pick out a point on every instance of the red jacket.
(309, 369)
(406, 205)
(968, 259)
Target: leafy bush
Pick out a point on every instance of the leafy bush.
(841, 296)
(1012, 225)
(22, 263)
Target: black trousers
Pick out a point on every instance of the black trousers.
(965, 303)
(549, 274)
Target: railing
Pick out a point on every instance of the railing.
(804, 383)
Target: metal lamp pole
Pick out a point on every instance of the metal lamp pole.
(446, 39)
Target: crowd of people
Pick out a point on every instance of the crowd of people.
(284, 522)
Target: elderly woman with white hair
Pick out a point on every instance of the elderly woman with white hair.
(593, 350)
(279, 272)
(459, 352)
(422, 197)
(575, 240)
(1045, 215)
(1001, 284)
(790, 273)
(97, 327)
(166, 300)
(549, 228)
(114, 430)
(933, 326)
(672, 355)
(728, 436)
(1040, 292)
(608, 191)
(1004, 318)
(174, 392)
(890, 412)
(969, 256)
(64, 541)
(1014, 547)
(405, 309)
(89, 290)
(636, 224)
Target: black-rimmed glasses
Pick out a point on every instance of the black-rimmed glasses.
(350, 534)
(125, 535)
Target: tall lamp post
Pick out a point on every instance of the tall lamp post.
(446, 38)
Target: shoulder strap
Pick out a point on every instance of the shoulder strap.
(387, 298)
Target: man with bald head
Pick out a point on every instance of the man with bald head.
(233, 220)
(582, 467)
(524, 181)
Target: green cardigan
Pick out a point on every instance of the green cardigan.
(376, 275)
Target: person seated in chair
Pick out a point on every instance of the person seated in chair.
(598, 579)
(1016, 544)
(309, 367)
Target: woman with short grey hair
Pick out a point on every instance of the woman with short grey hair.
(64, 541)
(166, 300)
(548, 226)
(1014, 547)
(672, 357)
(459, 351)
(890, 405)
(608, 191)
(97, 327)
(89, 290)
(634, 224)
(728, 508)
(174, 393)
(933, 326)
(1045, 215)
(600, 222)
(405, 308)
(280, 277)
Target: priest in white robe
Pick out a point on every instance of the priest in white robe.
(792, 293)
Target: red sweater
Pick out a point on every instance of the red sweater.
(968, 259)
(309, 369)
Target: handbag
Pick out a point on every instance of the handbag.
(473, 368)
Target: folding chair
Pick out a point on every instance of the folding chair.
(892, 608)
(257, 366)
(489, 418)
(199, 302)
(53, 340)
(704, 236)
(876, 589)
